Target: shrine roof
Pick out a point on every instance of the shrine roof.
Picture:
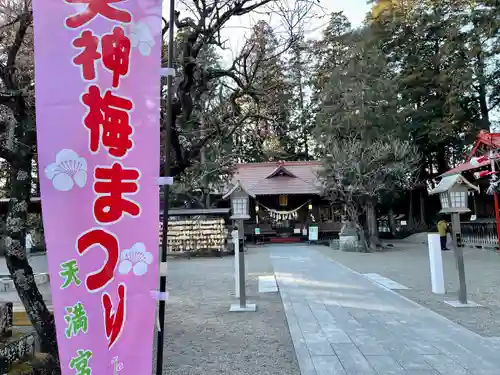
(484, 140)
(465, 167)
(448, 182)
(297, 177)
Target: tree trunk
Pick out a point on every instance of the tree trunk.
(422, 205)
(305, 138)
(392, 221)
(22, 147)
(10, 134)
(371, 221)
(410, 210)
(482, 85)
(423, 194)
(365, 248)
(203, 161)
(353, 217)
(208, 203)
(17, 262)
(442, 162)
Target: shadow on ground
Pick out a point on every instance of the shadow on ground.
(408, 264)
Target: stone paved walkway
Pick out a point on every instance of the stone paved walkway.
(408, 263)
(343, 324)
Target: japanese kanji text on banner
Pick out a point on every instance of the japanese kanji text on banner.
(97, 99)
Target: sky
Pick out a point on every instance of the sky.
(238, 27)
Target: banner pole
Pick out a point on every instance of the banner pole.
(163, 277)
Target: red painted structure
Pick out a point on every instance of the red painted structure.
(488, 141)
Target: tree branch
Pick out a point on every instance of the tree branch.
(7, 155)
(24, 23)
(7, 98)
(198, 79)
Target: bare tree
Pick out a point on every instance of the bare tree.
(201, 26)
(18, 148)
(214, 101)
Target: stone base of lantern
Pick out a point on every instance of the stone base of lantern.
(460, 304)
(249, 307)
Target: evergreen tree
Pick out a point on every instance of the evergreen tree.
(300, 140)
(268, 134)
(358, 123)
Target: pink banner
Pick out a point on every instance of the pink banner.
(98, 107)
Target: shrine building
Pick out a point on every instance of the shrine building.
(284, 200)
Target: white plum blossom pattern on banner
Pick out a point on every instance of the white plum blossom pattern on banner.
(69, 169)
(80, 8)
(135, 259)
(142, 38)
(144, 31)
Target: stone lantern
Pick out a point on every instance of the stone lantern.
(453, 194)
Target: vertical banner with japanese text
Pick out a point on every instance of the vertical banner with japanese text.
(97, 71)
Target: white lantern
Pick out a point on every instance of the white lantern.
(240, 205)
(453, 194)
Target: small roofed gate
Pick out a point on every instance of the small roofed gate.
(197, 232)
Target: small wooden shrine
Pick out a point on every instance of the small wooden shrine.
(284, 201)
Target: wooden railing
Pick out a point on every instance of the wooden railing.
(479, 233)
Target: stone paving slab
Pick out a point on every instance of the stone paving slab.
(344, 324)
(267, 284)
(384, 281)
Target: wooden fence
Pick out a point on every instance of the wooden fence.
(479, 233)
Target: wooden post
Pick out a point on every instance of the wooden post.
(495, 197)
(497, 218)
(459, 258)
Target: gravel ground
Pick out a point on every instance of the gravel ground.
(408, 264)
(203, 337)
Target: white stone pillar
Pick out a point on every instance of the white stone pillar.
(236, 242)
(436, 263)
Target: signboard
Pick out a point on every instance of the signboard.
(313, 233)
(257, 231)
(97, 99)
